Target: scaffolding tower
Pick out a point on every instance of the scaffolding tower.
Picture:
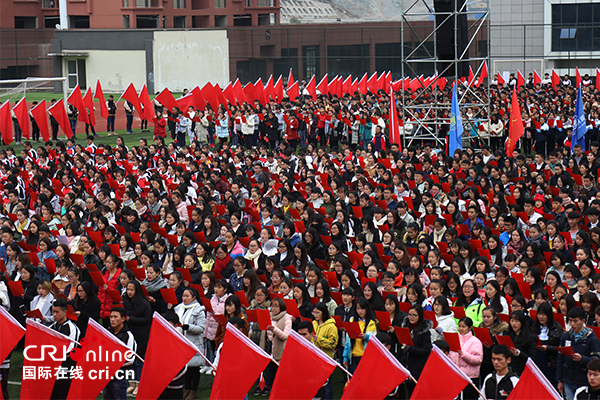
(428, 120)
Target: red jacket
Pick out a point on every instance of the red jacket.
(292, 131)
(106, 303)
(159, 128)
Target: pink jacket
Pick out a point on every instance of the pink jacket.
(218, 306)
(472, 355)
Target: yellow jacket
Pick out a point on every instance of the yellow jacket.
(327, 336)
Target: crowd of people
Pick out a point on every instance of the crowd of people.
(305, 209)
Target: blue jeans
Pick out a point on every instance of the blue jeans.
(570, 390)
(18, 131)
(302, 133)
(129, 122)
(73, 123)
(110, 123)
(211, 135)
(116, 389)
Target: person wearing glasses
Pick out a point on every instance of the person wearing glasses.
(415, 356)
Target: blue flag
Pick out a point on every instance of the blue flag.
(579, 127)
(456, 126)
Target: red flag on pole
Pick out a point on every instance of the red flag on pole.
(311, 88)
(41, 119)
(88, 102)
(293, 92)
(76, 101)
(166, 99)
(270, 89)
(354, 86)
(239, 92)
(597, 77)
(109, 353)
(577, 77)
(322, 86)
(394, 126)
(259, 91)
(516, 129)
(98, 94)
(184, 102)
(167, 353)
(440, 373)
(39, 368)
(377, 375)
(131, 96)
(290, 80)
(362, 84)
(533, 385)
(471, 79)
(372, 83)
(537, 80)
(208, 92)
(57, 110)
(483, 74)
(6, 123)
(21, 113)
(347, 85)
(11, 332)
(199, 101)
(249, 93)
(303, 369)
(501, 82)
(520, 80)
(555, 79)
(230, 94)
(279, 89)
(220, 96)
(148, 108)
(240, 364)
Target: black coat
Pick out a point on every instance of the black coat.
(415, 357)
(526, 344)
(140, 319)
(88, 309)
(317, 251)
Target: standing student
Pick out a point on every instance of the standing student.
(591, 391)
(415, 356)
(65, 326)
(523, 339)
(571, 372)
(498, 384)
(469, 357)
(367, 322)
(112, 112)
(325, 338)
(275, 338)
(549, 333)
(117, 388)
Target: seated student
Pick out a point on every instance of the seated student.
(591, 391)
(498, 384)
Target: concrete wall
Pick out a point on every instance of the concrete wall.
(185, 59)
(116, 69)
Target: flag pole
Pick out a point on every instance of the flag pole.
(344, 369)
(415, 381)
(477, 389)
(209, 363)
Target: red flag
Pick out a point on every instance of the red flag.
(377, 375)
(98, 94)
(516, 129)
(41, 119)
(536, 78)
(239, 92)
(240, 364)
(354, 86)
(483, 74)
(520, 80)
(39, 368)
(220, 96)
(230, 94)
(6, 123)
(290, 80)
(293, 91)
(362, 84)
(439, 372)
(533, 385)
(259, 91)
(577, 77)
(501, 81)
(347, 85)
(148, 108)
(311, 88)
(322, 86)
(270, 88)
(88, 102)
(57, 110)
(109, 354)
(372, 83)
(199, 100)
(12, 332)
(184, 102)
(303, 369)
(394, 127)
(380, 82)
(166, 99)
(555, 79)
(387, 82)
(131, 96)
(76, 101)
(21, 113)
(597, 77)
(471, 78)
(167, 353)
(249, 93)
(279, 89)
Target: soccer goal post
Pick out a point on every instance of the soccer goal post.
(15, 89)
(525, 65)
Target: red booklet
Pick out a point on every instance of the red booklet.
(403, 335)
(140, 273)
(50, 265)
(207, 305)
(169, 296)
(483, 334)
(97, 278)
(243, 299)
(459, 312)
(353, 329)
(114, 295)
(453, 340)
(251, 314)
(16, 288)
(221, 319)
(505, 340)
(292, 307)
(338, 322)
(384, 319)
(567, 351)
(34, 314)
(264, 319)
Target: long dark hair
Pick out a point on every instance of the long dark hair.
(137, 302)
(495, 303)
(376, 300)
(305, 295)
(370, 316)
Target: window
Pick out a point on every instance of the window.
(583, 20)
(126, 22)
(50, 22)
(79, 21)
(289, 59)
(242, 20)
(250, 71)
(72, 79)
(25, 22)
(219, 3)
(266, 19)
(200, 4)
(146, 3)
(180, 22)
(48, 3)
(248, 3)
(164, 22)
(147, 21)
(178, 3)
(125, 3)
(266, 3)
(348, 59)
(220, 20)
(310, 61)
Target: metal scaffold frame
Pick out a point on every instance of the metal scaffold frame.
(427, 121)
